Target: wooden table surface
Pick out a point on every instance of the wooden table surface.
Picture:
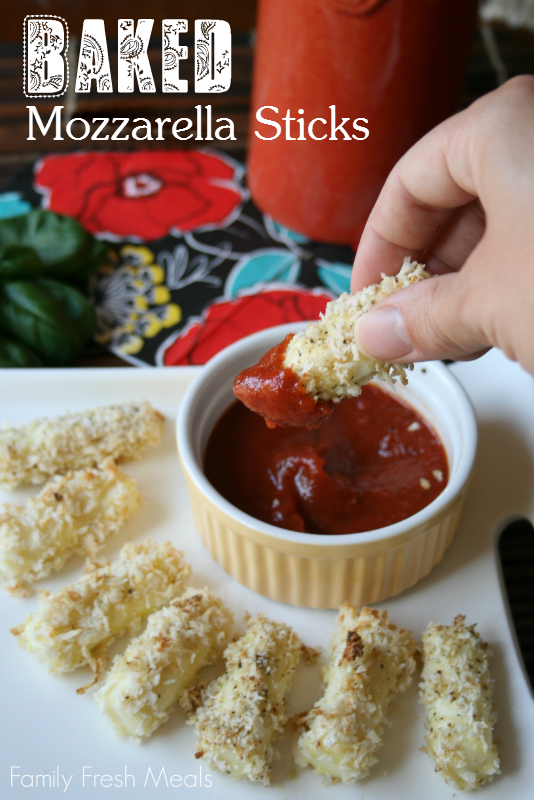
(497, 53)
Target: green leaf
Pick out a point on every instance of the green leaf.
(96, 254)
(15, 354)
(64, 247)
(29, 313)
(18, 261)
(77, 307)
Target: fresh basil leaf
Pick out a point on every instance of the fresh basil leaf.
(31, 315)
(65, 248)
(78, 308)
(15, 354)
(96, 254)
(18, 261)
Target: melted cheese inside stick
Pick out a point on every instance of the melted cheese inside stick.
(244, 709)
(145, 683)
(76, 626)
(456, 690)
(370, 660)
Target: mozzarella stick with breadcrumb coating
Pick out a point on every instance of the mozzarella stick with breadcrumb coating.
(74, 513)
(146, 682)
(456, 691)
(324, 359)
(325, 356)
(370, 660)
(76, 626)
(244, 709)
(34, 452)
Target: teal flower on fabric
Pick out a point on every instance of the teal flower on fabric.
(334, 275)
(262, 266)
(12, 205)
(281, 233)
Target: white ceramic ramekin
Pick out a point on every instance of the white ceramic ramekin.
(313, 570)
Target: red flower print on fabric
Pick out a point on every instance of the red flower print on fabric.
(227, 321)
(144, 195)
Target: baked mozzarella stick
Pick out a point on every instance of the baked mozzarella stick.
(325, 356)
(34, 452)
(297, 382)
(74, 513)
(76, 626)
(456, 690)
(244, 709)
(145, 683)
(370, 660)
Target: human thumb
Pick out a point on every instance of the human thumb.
(436, 318)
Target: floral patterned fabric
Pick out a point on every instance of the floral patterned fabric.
(144, 195)
(193, 264)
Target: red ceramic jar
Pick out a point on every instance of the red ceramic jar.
(397, 63)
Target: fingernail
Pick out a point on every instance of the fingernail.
(381, 334)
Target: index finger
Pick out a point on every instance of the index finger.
(432, 178)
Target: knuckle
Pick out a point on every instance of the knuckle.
(498, 107)
(522, 85)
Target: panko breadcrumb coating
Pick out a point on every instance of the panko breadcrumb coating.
(370, 661)
(34, 452)
(244, 709)
(76, 626)
(74, 513)
(325, 356)
(146, 682)
(457, 690)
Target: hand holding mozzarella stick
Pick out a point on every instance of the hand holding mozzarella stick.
(460, 201)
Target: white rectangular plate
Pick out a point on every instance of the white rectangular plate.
(49, 730)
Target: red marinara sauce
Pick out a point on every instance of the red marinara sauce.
(365, 467)
(275, 392)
